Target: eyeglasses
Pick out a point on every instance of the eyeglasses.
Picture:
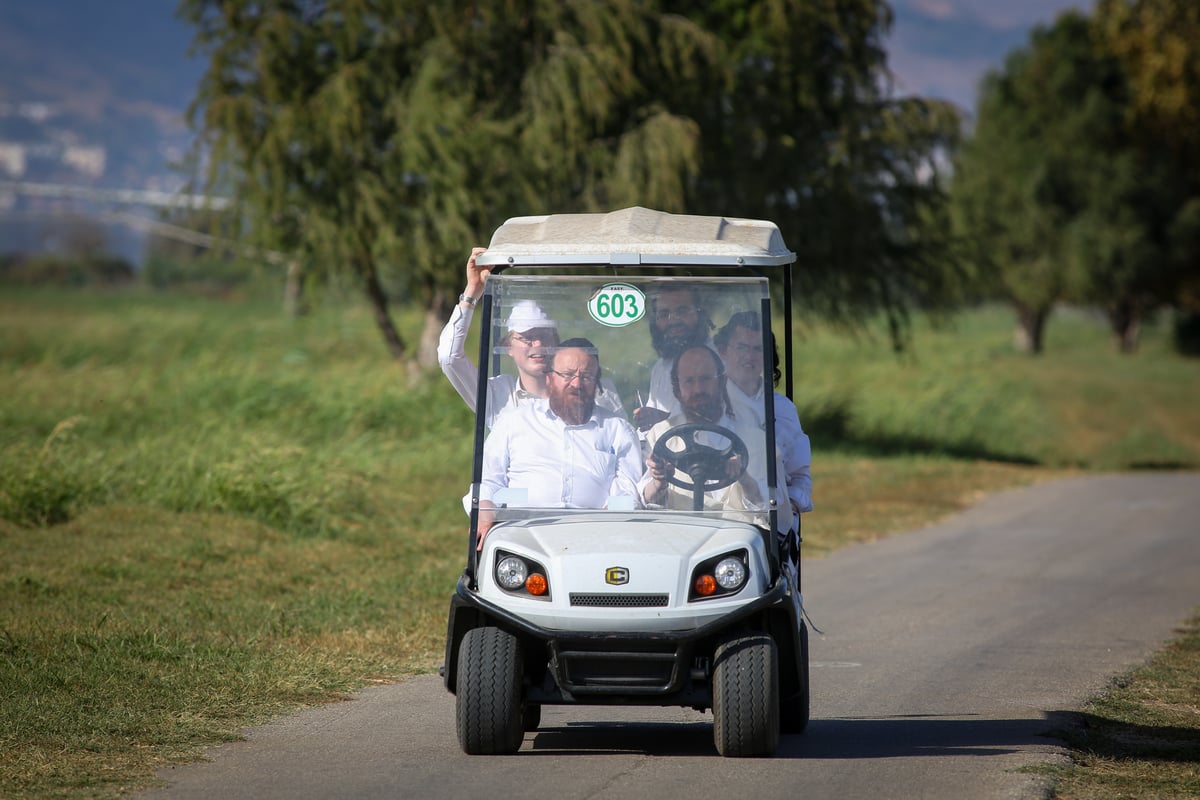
(682, 312)
(584, 378)
(534, 335)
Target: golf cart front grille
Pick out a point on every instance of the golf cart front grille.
(618, 600)
(611, 667)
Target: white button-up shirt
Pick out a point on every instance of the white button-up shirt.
(556, 465)
(792, 445)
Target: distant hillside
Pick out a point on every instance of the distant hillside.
(77, 73)
(127, 50)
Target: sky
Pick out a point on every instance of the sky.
(943, 48)
(938, 48)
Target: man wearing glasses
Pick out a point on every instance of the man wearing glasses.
(566, 452)
(530, 340)
(677, 322)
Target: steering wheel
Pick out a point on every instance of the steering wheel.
(704, 463)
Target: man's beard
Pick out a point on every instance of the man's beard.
(709, 409)
(573, 409)
(669, 346)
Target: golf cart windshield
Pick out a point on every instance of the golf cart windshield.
(589, 380)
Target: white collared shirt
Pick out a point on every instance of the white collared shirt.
(557, 465)
(792, 445)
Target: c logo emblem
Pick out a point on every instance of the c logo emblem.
(616, 575)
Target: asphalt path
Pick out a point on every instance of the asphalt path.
(947, 658)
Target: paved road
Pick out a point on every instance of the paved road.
(947, 656)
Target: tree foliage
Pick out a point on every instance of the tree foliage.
(810, 136)
(1057, 195)
(1158, 45)
(383, 138)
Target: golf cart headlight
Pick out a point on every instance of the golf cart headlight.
(521, 576)
(720, 576)
(511, 573)
(730, 574)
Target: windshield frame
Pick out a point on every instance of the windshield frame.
(506, 282)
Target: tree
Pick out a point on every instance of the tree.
(1053, 195)
(563, 107)
(808, 135)
(384, 137)
(1156, 44)
(289, 114)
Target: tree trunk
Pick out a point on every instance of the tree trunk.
(383, 318)
(1126, 321)
(1031, 325)
(294, 302)
(435, 319)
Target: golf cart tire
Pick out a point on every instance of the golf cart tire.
(489, 716)
(793, 711)
(745, 688)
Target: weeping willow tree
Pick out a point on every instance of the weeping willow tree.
(381, 139)
(529, 108)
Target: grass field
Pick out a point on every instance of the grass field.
(211, 513)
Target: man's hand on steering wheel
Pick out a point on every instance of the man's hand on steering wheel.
(661, 469)
(708, 467)
(734, 466)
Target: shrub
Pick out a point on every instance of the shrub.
(49, 269)
(39, 488)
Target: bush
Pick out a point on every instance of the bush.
(49, 269)
(44, 487)
(199, 275)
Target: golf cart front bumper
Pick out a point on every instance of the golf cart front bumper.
(619, 667)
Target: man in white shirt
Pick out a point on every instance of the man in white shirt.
(677, 321)
(739, 343)
(563, 453)
(698, 378)
(530, 340)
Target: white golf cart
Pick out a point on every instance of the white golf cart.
(634, 603)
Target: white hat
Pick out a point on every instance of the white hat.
(527, 315)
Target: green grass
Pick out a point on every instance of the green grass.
(211, 513)
(1141, 739)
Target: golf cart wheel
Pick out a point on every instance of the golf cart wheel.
(488, 704)
(746, 696)
(793, 711)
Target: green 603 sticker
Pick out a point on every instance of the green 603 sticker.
(617, 305)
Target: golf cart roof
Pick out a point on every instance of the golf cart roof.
(636, 236)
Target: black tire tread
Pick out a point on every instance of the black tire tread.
(746, 696)
(488, 714)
